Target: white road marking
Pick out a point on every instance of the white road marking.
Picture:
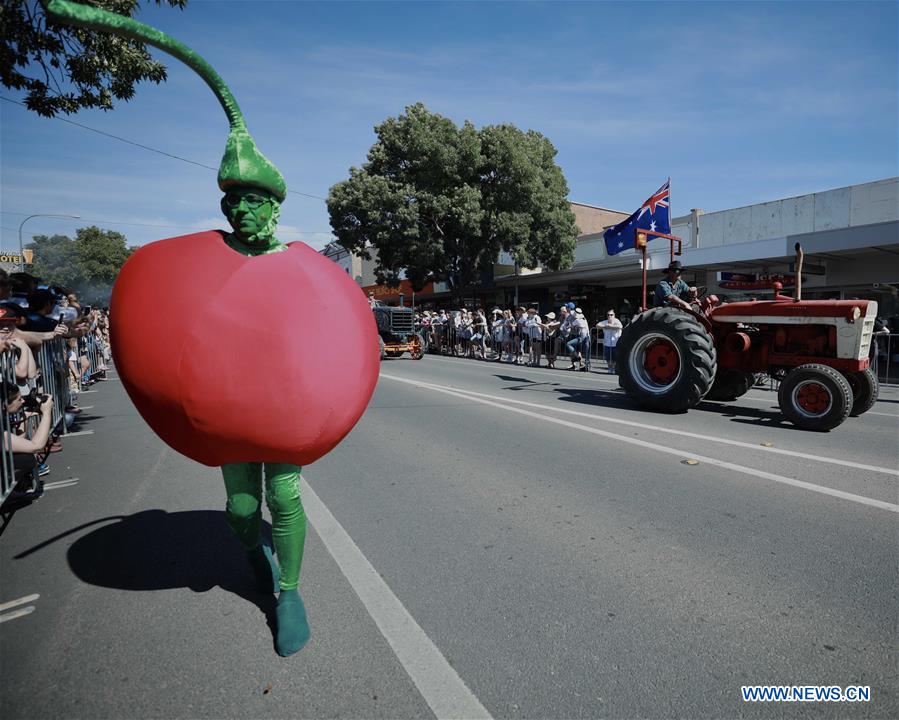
(21, 601)
(860, 499)
(86, 407)
(85, 392)
(670, 431)
(60, 484)
(76, 434)
(439, 684)
(593, 377)
(17, 613)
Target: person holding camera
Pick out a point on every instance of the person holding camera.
(25, 369)
(14, 402)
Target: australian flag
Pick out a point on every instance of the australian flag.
(652, 215)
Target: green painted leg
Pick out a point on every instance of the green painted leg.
(282, 494)
(243, 485)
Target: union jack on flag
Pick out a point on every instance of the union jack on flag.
(652, 215)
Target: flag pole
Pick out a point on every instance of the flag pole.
(643, 309)
(670, 215)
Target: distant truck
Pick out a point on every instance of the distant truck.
(396, 332)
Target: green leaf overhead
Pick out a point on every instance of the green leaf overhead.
(65, 69)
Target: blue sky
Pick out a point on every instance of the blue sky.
(737, 102)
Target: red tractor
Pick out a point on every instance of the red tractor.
(671, 359)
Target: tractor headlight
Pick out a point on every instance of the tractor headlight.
(856, 313)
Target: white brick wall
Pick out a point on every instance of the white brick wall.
(866, 204)
(874, 202)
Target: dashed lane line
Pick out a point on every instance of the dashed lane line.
(670, 431)
(17, 614)
(742, 469)
(60, 484)
(20, 601)
(21, 612)
(439, 684)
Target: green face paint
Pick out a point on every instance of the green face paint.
(253, 215)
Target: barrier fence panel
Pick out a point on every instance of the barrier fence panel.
(54, 379)
(7, 468)
(885, 358)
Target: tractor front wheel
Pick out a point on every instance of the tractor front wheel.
(417, 351)
(864, 390)
(815, 397)
(667, 360)
(730, 384)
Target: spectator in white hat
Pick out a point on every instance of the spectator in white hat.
(611, 330)
(550, 336)
(534, 328)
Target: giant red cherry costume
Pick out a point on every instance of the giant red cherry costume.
(240, 351)
(232, 358)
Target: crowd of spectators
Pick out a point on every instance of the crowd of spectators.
(520, 336)
(51, 347)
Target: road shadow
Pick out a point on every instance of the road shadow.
(597, 397)
(522, 383)
(739, 414)
(158, 550)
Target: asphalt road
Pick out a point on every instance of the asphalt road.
(490, 539)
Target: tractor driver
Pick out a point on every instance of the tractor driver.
(672, 291)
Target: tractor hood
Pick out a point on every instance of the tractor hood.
(790, 311)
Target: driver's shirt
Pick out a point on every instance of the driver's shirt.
(665, 288)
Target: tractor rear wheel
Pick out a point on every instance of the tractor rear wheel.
(730, 384)
(666, 360)
(864, 390)
(815, 397)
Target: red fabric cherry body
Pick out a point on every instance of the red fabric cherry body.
(229, 358)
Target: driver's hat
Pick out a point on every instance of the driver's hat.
(675, 266)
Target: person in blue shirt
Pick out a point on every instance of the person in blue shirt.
(672, 291)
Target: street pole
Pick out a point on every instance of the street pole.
(516, 284)
(22, 224)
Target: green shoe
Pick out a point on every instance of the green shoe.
(264, 568)
(293, 629)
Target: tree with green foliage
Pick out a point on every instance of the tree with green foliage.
(440, 202)
(89, 264)
(65, 69)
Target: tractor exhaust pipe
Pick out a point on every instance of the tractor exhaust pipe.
(799, 256)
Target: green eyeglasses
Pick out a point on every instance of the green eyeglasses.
(252, 200)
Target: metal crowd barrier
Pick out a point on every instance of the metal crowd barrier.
(54, 379)
(501, 344)
(885, 358)
(7, 468)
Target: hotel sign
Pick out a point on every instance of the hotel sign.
(13, 256)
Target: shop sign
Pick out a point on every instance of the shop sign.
(13, 256)
(385, 293)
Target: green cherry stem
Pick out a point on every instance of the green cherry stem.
(242, 164)
(97, 19)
